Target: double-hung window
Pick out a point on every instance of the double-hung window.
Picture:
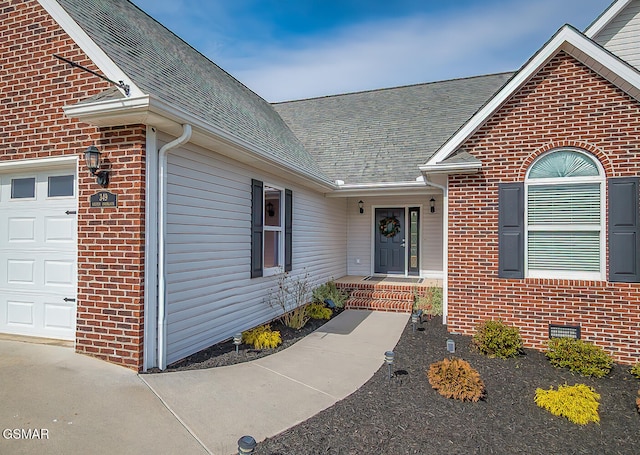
(565, 235)
(273, 248)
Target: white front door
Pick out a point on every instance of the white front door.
(38, 253)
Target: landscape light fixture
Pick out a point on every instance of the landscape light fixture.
(388, 359)
(361, 206)
(246, 444)
(432, 204)
(451, 346)
(237, 339)
(414, 320)
(92, 158)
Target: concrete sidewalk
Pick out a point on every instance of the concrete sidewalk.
(89, 406)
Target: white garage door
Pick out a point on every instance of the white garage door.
(38, 250)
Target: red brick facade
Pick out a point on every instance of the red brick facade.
(34, 88)
(565, 104)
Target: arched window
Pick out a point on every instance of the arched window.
(564, 216)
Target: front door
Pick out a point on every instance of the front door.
(390, 241)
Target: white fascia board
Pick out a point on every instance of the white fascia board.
(151, 111)
(451, 168)
(380, 189)
(605, 18)
(93, 51)
(30, 163)
(566, 39)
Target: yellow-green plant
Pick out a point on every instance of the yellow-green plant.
(496, 339)
(579, 356)
(635, 370)
(578, 403)
(455, 378)
(318, 311)
(329, 291)
(262, 337)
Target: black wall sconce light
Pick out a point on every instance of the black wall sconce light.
(92, 158)
(361, 206)
(270, 210)
(432, 204)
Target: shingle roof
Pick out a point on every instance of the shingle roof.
(162, 64)
(384, 135)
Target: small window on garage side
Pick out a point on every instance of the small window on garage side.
(60, 186)
(23, 188)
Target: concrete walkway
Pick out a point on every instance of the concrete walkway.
(89, 406)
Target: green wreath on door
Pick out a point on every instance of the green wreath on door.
(389, 226)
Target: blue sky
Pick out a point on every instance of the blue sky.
(286, 50)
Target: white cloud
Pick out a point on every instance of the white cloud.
(405, 51)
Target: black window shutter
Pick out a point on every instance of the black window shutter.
(256, 228)
(288, 230)
(624, 241)
(511, 230)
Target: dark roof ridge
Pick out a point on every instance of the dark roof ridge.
(383, 89)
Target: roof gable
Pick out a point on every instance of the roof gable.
(606, 17)
(567, 39)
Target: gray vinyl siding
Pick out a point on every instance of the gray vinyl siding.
(210, 295)
(622, 35)
(361, 227)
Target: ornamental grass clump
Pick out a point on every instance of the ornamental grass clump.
(262, 337)
(578, 403)
(455, 378)
(318, 311)
(579, 356)
(496, 339)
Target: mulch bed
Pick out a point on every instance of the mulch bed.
(406, 416)
(223, 354)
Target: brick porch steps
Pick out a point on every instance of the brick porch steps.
(392, 297)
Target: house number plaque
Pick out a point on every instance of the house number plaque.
(104, 199)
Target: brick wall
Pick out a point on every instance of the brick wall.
(34, 87)
(565, 104)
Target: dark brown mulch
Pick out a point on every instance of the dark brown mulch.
(223, 354)
(406, 416)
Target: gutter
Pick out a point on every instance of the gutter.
(162, 210)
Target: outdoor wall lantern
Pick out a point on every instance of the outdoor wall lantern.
(361, 206)
(432, 204)
(270, 210)
(92, 158)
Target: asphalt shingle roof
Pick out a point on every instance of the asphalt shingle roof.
(384, 135)
(163, 65)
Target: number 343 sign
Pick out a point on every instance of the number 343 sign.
(104, 199)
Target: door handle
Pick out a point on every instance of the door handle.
(68, 299)
(403, 243)
(70, 212)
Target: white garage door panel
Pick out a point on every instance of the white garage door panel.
(38, 260)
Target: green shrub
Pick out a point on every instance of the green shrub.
(429, 301)
(318, 311)
(579, 356)
(455, 378)
(495, 339)
(329, 291)
(262, 337)
(578, 403)
(635, 370)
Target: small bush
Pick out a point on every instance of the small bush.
(495, 339)
(635, 370)
(578, 403)
(296, 318)
(318, 311)
(329, 291)
(262, 337)
(430, 301)
(456, 379)
(579, 356)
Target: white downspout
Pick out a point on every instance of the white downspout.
(162, 210)
(445, 242)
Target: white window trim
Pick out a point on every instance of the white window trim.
(565, 274)
(271, 271)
